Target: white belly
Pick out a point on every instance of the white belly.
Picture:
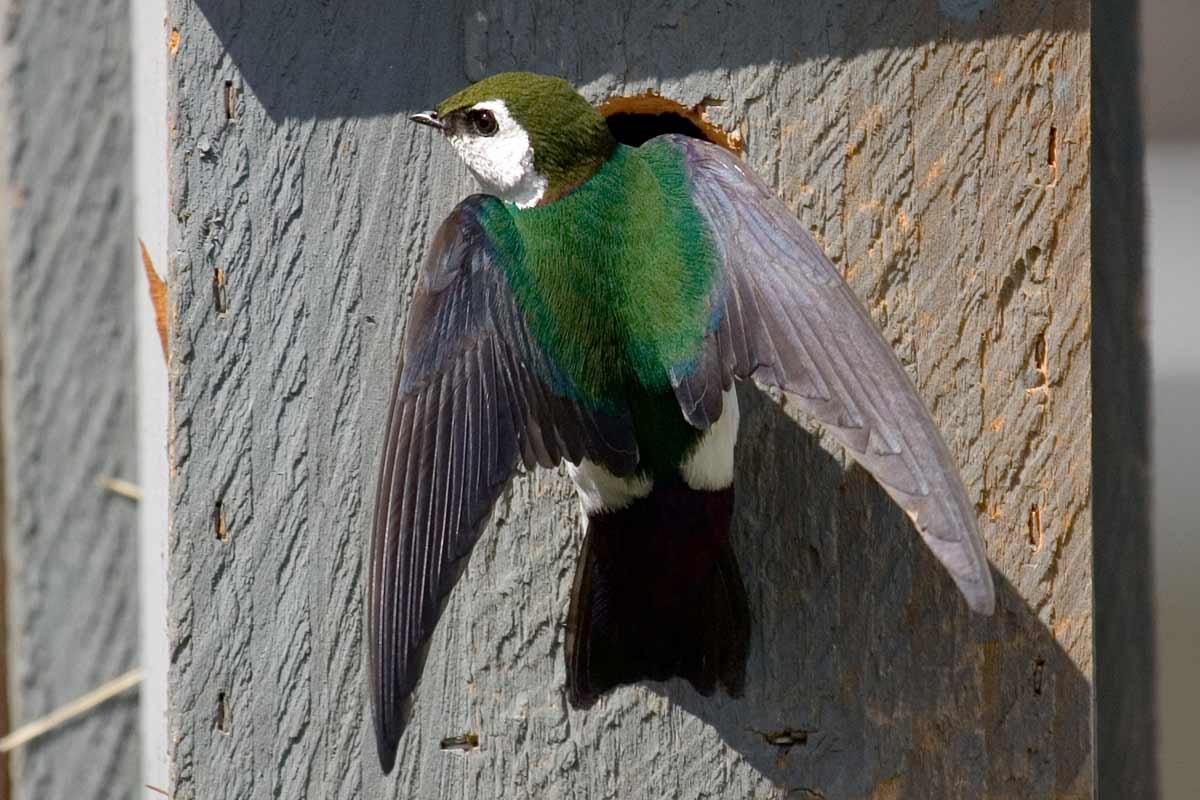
(600, 490)
(708, 468)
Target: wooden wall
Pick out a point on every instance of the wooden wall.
(69, 271)
(938, 149)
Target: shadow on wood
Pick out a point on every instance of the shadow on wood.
(389, 58)
(875, 673)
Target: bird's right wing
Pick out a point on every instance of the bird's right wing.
(473, 396)
(785, 318)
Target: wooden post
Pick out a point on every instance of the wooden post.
(69, 393)
(150, 41)
(1125, 663)
(939, 150)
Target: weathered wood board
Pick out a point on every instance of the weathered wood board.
(69, 271)
(938, 150)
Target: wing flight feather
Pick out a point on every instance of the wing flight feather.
(472, 398)
(789, 320)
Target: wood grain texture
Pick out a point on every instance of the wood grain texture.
(69, 396)
(914, 139)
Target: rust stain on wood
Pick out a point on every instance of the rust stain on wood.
(158, 298)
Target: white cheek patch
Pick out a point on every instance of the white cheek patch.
(600, 490)
(502, 162)
(710, 466)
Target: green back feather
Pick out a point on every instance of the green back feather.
(615, 281)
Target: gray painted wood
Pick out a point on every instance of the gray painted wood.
(69, 397)
(912, 138)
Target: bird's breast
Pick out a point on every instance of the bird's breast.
(615, 280)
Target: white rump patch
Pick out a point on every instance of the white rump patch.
(600, 490)
(710, 466)
(502, 162)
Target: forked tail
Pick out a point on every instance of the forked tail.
(658, 594)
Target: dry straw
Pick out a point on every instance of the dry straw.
(76, 708)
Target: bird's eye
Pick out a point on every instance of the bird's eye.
(484, 122)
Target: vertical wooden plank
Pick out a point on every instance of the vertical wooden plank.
(913, 139)
(266, 543)
(69, 270)
(1125, 667)
(149, 44)
(1003, 174)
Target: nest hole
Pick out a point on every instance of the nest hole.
(637, 119)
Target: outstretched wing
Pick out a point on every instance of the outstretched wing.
(473, 396)
(786, 318)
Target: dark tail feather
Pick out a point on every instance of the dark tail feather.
(658, 594)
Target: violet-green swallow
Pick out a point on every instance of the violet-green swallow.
(595, 306)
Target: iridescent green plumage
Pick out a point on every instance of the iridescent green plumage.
(615, 281)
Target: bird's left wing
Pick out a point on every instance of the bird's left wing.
(783, 316)
(474, 395)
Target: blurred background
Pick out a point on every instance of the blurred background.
(1171, 96)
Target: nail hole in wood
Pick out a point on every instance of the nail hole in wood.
(785, 739)
(219, 527)
(231, 100)
(223, 716)
(465, 742)
(220, 297)
(1035, 527)
(637, 119)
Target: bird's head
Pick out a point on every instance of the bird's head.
(528, 138)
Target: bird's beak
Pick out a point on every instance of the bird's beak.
(428, 118)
